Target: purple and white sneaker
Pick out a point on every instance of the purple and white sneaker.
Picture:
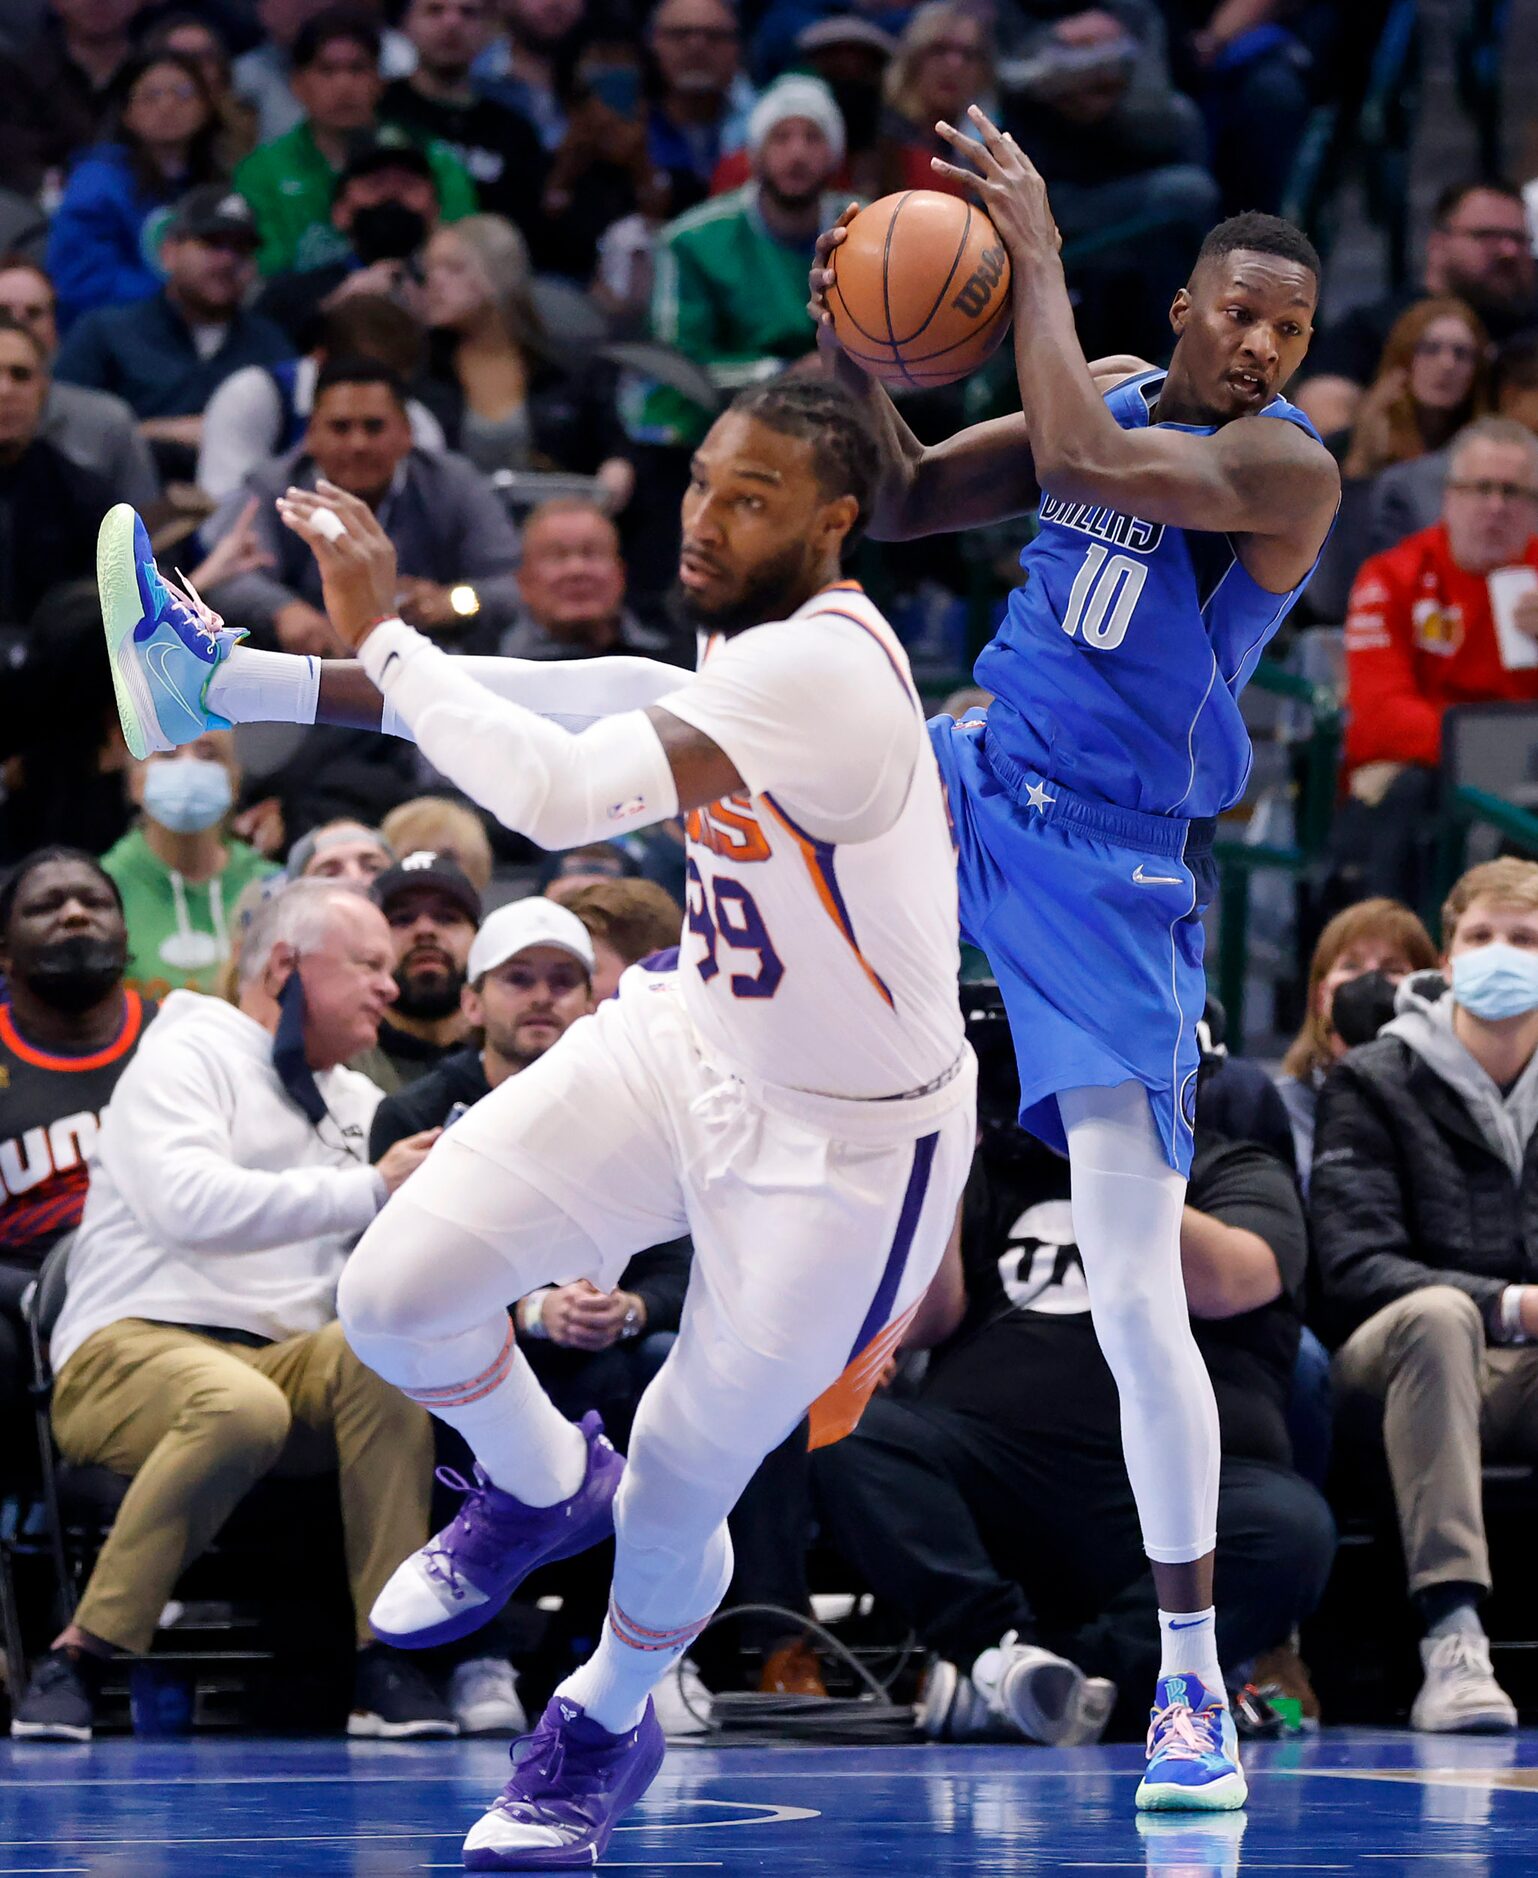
(572, 1780)
(464, 1575)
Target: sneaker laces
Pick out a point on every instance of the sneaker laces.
(190, 607)
(437, 1556)
(1463, 1656)
(1180, 1734)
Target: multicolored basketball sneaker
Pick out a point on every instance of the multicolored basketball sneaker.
(572, 1781)
(163, 644)
(1193, 1752)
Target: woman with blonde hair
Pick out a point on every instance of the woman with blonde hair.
(1433, 378)
(943, 63)
(440, 825)
(1372, 936)
(514, 402)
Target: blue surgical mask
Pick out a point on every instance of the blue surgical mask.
(1496, 981)
(187, 794)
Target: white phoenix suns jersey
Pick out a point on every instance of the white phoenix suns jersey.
(820, 950)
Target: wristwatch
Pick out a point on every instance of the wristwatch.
(631, 1326)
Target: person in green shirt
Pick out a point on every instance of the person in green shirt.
(291, 181)
(178, 870)
(729, 289)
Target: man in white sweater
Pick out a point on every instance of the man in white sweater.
(198, 1347)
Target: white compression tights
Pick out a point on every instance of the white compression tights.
(1127, 1203)
(423, 1302)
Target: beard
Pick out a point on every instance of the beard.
(792, 202)
(77, 972)
(772, 592)
(428, 995)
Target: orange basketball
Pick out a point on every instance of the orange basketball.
(920, 293)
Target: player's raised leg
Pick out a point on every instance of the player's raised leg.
(424, 1302)
(1127, 1208)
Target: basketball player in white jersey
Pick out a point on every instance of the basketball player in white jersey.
(797, 1093)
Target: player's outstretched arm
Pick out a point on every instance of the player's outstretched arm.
(558, 789)
(1268, 480)
(983, 474)
(572, 692)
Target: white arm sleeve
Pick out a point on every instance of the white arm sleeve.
(571, 692)
(813, 711)
(537, 778)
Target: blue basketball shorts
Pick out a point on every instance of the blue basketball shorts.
(1090, 915)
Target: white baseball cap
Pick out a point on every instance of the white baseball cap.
(523, 923)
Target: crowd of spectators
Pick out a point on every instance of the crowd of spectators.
(491, 265)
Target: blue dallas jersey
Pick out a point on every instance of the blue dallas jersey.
(1118, 668)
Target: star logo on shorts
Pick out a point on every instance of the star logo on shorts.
(1036, 795)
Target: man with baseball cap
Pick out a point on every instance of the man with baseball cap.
(432, 909)
(384, 203)
(289, 182)
(167, 355)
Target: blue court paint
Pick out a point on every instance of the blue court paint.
(1349, 1801)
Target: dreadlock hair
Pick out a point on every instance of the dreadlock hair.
(10, 891)
(1260, 234)
(844, 453)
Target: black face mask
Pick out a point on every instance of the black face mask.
(1361, 1007)
(387, 231)
(77, 972)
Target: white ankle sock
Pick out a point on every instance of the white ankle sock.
(251, 687)
(613, 1684)
(1190, 1648)
(521, 1439)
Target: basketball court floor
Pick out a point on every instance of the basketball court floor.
(1359, 1801)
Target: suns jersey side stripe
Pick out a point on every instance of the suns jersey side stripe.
(819, 859)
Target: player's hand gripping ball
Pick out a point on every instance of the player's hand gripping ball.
(920, 290)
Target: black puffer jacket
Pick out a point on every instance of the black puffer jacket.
(1407, 1191)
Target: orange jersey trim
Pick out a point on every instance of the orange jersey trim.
(121, 1044)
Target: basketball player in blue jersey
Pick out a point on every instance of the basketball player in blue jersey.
(1181, 512)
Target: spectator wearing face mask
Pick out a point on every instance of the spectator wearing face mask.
(1425, 1213)
(385, 204)
(179, 870)
(1371, 946)
(68, 1030)
(291, 181)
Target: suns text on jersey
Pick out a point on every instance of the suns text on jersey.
(1093, 518)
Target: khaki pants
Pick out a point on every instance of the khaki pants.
(1447, 1401)
(196, 1422)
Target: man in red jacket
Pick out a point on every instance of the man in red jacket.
(1422, 634)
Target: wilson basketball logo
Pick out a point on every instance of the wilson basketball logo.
(975, 295)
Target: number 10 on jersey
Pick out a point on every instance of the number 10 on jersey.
(1105, 592)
